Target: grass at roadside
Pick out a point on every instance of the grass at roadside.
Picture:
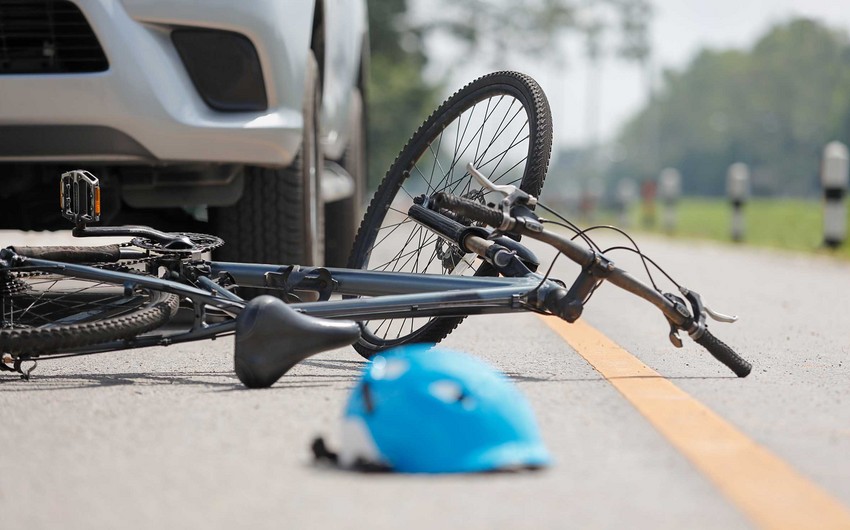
(791, 224)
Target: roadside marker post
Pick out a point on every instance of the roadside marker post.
(626, 195)
(738, 191)
(648, 189)
(591, 196)
(669, 190)
(834, 179)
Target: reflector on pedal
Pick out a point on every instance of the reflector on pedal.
(79, 197)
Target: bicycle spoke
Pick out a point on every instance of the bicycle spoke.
(479, 156)
(391, 232)
(466, 138)
(409, 254)
(459, 140)
(51, 301)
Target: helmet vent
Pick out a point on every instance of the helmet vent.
(389, 369)
(451, 392)
(368, 402)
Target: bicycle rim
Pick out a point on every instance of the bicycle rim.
(43, 313)
(502, 124)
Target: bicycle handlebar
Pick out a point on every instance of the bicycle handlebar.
(677, 314)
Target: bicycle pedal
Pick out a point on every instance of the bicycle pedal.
(79, 197)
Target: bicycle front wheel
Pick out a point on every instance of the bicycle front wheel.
(502, 124)
(44, 313)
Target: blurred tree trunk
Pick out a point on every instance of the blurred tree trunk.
(399, 98)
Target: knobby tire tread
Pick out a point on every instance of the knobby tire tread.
(158, 310)
(267, 224)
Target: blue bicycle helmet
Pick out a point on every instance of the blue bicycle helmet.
(418, 409)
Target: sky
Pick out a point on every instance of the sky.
(680, 28)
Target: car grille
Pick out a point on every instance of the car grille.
(47, 36)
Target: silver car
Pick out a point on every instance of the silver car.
(248, 113)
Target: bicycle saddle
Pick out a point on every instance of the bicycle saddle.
(272, 337)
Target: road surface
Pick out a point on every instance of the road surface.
(167, 437)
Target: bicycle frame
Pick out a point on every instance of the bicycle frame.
(378, 295)
(399, 295)
(470, 224)
(390, 295)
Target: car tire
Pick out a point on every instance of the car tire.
(280, 217)
(343, 216)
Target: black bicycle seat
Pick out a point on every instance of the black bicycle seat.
(272, 337)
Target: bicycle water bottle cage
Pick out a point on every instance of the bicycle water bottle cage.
(79, 197)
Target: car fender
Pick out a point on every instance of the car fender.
(346, 33)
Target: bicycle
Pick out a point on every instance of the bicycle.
(452, 231)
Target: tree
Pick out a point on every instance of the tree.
(399, 98)
(494, 29)
(773, 106)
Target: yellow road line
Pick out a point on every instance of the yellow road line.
(764, 487)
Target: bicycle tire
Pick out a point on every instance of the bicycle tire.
(280, 215)
(44, 313)
(531, 152)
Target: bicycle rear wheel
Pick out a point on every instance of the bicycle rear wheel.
(43, 313)
(502, 124)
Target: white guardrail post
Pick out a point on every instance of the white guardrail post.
(626, 196)
(738, 191)
(648, 189)
(834, 179)
(669, 190)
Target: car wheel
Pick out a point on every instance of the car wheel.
(280, 216)
(343, 216)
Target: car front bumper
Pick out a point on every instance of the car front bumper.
(146, 99)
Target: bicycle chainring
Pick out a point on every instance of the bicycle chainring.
(200, 243)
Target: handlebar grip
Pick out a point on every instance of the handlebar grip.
(437, 222)
(724, 354)
(470, 209)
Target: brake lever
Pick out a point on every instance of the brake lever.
(512, 193)
(703, 309)
(699, 310)
(506, 189)
(720, 317)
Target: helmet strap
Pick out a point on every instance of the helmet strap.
(322, 454)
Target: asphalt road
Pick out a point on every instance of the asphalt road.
(167, 437)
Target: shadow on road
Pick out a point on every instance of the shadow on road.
(211, 381)
(339, 372)
(40, 383)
